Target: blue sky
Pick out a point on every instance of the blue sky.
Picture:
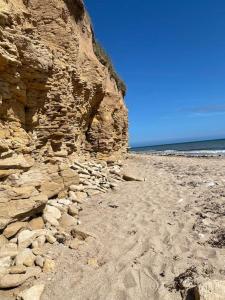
(171, 54)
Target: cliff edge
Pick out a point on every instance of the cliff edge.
(60, 100)
(57, 98)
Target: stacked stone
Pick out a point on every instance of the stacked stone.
(95, 178)
(22, 243)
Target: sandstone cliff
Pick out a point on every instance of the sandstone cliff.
(56, 97)
(59, 99)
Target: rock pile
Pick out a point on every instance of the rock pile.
(23, 239)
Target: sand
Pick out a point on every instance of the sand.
(153, 239)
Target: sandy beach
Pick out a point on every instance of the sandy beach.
(150, 240)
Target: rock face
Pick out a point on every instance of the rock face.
(56, 97)
(59, 100)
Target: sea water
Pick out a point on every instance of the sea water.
(197, 148)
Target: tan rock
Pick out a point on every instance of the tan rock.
(52, 211)
(51, 220)
(5, 262)
(8, 193)
(131, 177)
(36, 223)
(9, 249)
(92, 192)
(3, 240)
(69, 176)
(57, 130)
(13, 229)
(16, 162)
(14, 280)
(17, 269)
(53, 105)
(33, 293)
(50, 238)
(73, 210)
(41, 240)
(12, 210)
(63, 194)
(39, 261)
(49, 266)
(67, 221)
(210, 290)
(81, 196)
(72, 196)
(38, 251)
(25, 238)
(26, 258)
(75, 243)
(81, 233)
(51, 189)
(77, 188)
(6, 173)
(46, 177)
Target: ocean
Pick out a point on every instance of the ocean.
(198, 148)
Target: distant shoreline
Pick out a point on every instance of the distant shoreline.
(208, 148)
(179, 154)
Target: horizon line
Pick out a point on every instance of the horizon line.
(177, 143)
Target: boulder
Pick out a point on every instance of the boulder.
(25, 238)
(17, 206)
(17, 269)
(80, 197)
(8, 193)
(52, 211)
(51, 220)
(50, 238)
(44, 176)
(33, 293)
(69, 176)
(5, 262)
(9, 249)
(26, 258)
(52, 189)
(3, 240)
(39, 261)
(210, 290)
(6, 173)
(72, 196)
(67, 221)
(36, 223)
(12, 229)
(16, 162)
(51, 178)
(13, 280)
(65, 202)
(73, 210)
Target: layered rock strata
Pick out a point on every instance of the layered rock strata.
(55, 95)
(59, 101)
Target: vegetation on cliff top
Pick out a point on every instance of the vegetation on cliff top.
(106, 61)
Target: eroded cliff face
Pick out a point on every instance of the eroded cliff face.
(56, 98)
(62, 114)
